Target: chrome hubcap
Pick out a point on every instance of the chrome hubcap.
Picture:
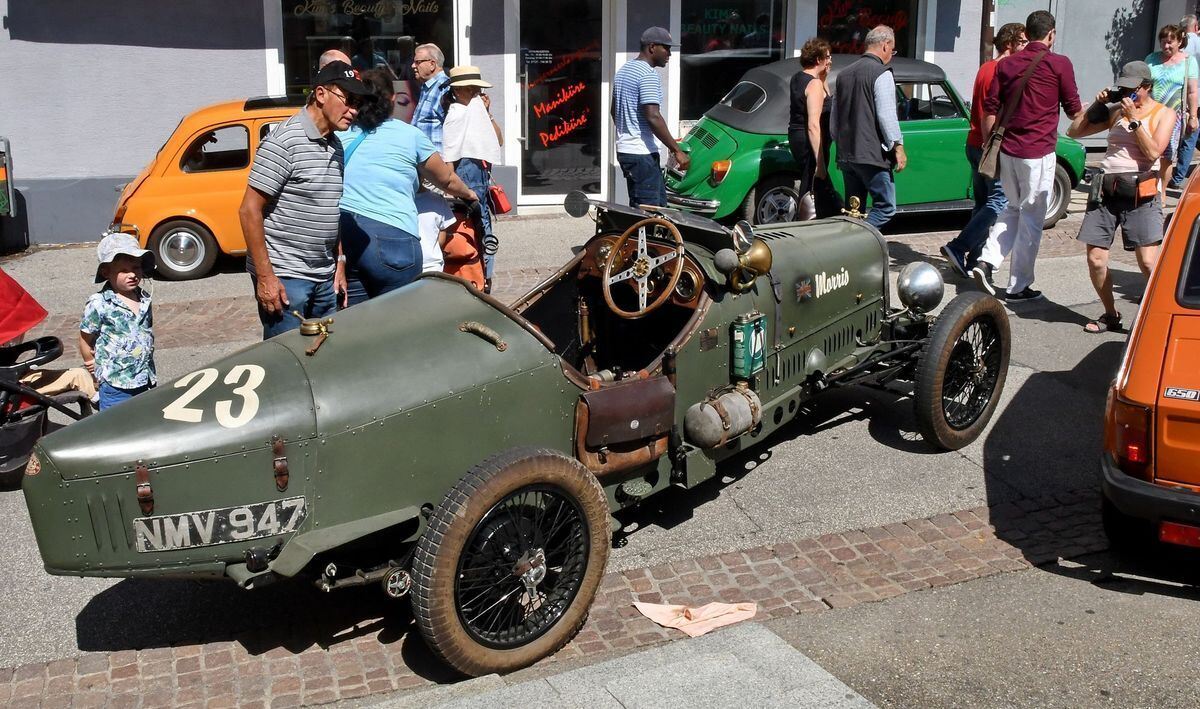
(182, 249)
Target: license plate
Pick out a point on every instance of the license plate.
(223, 526)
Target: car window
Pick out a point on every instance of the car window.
(920, 101)
(267, 129)
(1188, 294)
(224, 148)
(745, 97)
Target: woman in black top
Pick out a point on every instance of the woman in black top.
(808, 131)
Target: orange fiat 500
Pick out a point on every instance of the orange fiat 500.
(1151, 460)
(184, 204)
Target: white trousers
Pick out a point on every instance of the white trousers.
(1027, 182)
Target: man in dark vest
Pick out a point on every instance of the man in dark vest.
(866, 129)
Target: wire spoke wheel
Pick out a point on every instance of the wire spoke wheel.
(510, 562)
(522, 566)
(961, 372)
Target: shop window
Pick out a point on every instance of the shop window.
(720, 40)
(923, 102)
(372, 34)
(225, 148)
(845, 23)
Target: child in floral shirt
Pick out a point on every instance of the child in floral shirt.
(115, 336)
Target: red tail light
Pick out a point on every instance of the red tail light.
(720, 169)
(1182, 534)
(1128, 435)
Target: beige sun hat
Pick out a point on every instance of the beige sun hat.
(467, 75)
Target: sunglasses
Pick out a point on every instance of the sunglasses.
(349, 101)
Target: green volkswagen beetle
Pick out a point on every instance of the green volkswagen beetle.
(742, 167)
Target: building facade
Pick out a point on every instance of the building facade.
(91, 90)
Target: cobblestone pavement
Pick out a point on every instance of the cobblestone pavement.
(384, 654)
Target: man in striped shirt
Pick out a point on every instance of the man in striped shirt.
(637, 94)
(289, 213)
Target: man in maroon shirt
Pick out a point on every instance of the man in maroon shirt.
(964, 250)
(1027, 154)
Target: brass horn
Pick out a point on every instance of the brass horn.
(752, 264)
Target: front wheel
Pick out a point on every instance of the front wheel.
(183, 250)
(510, 563)
(1060, 197)
(961, 371)
(773, 200)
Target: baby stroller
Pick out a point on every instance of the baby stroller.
(24, 412)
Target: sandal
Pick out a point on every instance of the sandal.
(1108, 322)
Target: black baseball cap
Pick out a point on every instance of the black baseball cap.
(342, 75)
(658, 35)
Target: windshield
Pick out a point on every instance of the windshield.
(745, 97)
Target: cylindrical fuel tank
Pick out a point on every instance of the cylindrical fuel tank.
(718, 420)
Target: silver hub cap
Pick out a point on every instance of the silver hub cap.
(777, 205)
(183, 249)
(531, 567)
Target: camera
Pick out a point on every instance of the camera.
(1116, 93)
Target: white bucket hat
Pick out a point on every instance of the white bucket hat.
(114, 244)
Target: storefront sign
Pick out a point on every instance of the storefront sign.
(564, 62)
(565, 128)
(845, 23)
(379, 9)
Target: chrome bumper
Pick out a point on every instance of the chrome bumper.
(699, 206)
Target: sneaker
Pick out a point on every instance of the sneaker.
(982, 273)
(1024, 296)
(956, 261)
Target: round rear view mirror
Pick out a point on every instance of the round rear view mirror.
(576, 203)
(743, 236)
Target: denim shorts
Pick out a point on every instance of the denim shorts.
(644, 178)
(111, 396)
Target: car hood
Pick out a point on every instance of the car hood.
(707, 142)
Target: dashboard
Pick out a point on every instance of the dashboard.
(686, 292)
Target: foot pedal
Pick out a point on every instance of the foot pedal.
(635, 489)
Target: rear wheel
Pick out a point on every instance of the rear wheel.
(961, 371)
(510, 563)
(773, 200)
(183, 250)
(1060, 197)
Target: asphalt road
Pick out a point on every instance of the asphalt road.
(853, 459)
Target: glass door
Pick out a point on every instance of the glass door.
(560, 70)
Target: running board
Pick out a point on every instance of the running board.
(952, 206)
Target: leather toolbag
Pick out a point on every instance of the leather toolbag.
(629, 411)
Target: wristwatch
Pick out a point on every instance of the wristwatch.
(1135, 124)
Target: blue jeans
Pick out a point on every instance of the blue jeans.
(989, 203)
(1183, 166)
(476, 176)
(111, 396)
(644, 178)
(312, 299)
(877, 181)
(385, 257)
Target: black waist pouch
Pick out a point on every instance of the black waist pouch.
(1131, 186)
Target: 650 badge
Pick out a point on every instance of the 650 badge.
(223, 526)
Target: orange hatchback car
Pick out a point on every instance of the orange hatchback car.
(1151, 460)
(184, 205)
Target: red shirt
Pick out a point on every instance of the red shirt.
(983, 80)
(1033, 129)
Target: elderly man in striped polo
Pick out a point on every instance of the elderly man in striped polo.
(290, 212)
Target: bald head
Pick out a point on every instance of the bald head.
(332, 55)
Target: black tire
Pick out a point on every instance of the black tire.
(1125, 533)
(1060, 197)
(961, 371)
(492, 519)
(183, 250)
(768, 201)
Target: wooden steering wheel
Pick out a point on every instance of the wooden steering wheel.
(643, 265)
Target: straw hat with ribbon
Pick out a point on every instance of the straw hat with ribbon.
(467, 75)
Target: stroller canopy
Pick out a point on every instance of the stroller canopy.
(19, 312)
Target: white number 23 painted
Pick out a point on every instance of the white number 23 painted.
(244, 377)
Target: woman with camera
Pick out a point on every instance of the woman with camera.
(1125, 193)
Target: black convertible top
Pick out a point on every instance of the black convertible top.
(775, 79)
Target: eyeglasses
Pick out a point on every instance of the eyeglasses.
(418, 62)
(1022, 42)
(350, 102)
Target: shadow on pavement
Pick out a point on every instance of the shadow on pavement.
(140, 614)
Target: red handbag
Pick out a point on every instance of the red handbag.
(498, 200)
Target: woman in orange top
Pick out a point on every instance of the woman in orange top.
(1139, 130)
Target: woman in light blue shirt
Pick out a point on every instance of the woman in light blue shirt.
(384, 159)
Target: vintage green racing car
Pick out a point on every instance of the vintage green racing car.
(468, 454)
(742, 167)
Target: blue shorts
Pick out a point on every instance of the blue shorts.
(111, 395)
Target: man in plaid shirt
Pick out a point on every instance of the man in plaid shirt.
(430, 114)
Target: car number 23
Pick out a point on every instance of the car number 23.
(244, 378)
